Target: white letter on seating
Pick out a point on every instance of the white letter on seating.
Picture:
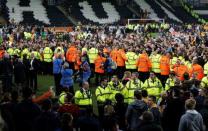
(35, 6)
(88, 13)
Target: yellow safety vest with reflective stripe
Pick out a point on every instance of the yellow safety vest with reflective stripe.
(204, 82)
(100, 94)
(173, 62)
(155, 59)
(92, 53)
(131, 60)
(131, 86)
(17, 52)
(25, 51)
(10, 51)
(169, 83)
(111, 91)
(37, 55)
(84, 49)
(62, 98)
(206, 68)
(188, 64)
(83, 98)
(47, 54)
(153, 87)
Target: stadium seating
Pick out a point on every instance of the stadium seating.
(98, 12)
(34, 12)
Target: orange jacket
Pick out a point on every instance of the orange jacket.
(120, 58)
(180, 70)
(165, 65)
(198, 70)
(2, 54)
(113, 54)
(77, 63)
(71, 54)
(143, 63)
(43, 97)
(99, 64)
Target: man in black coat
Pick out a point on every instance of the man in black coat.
(33, 71)
(19, 72)
(6, 71)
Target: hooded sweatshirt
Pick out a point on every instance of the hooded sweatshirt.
(134, 112)
(191, 121)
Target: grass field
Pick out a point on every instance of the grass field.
(45, 81)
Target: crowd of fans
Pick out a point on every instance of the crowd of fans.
(145, 77)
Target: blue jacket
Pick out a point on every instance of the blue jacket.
(67, 80)
(86, 71)
(57, 65)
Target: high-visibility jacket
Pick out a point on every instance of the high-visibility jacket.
(17, 52)
(112, 90)
(2, 54)
(131, 86)
(92, 53)
(113, 54)
(198, 70)
(165, 65)
(155, 60)
(47, 54)
(180, 70)
(62, 97)
(204, 82)
(84, 50)
(99, 64)
(120, 58)
(25, 51)
(132, 58)
(59, 48)
(206, 68)
(143, 63)
(10, 51)
(170, 82)
(188, 64)
(37, 55)
(153, 86)
(77, 63)
(83, 98)
(71, 54)
(100, 94)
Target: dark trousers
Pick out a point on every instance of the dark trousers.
(47, 68)
(57, 79)
(110, 74)
(71, 65)
(98, 77)
(7, 83)
(71, 89)
(131, 70)
(120, 71)
(143, 76)
(92, 67)
(158, 75)
(33, 80)
(164, 79)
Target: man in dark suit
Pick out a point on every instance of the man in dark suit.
(33, 73)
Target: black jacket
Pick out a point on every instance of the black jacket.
(149, 126)
(19, 72)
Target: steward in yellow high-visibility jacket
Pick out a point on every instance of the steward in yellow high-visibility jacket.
(131, 60)
(17, 52)
(47, 54)
(204, 82)
(114, 87)
(92, 53)
(100, 92)
(37, 55)
(10, 51)
(153, 85)
(26, 52)
(206, 69)
(170, 82)
(155, 60)
(83, 97)
(132, 85)
(62, 97)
